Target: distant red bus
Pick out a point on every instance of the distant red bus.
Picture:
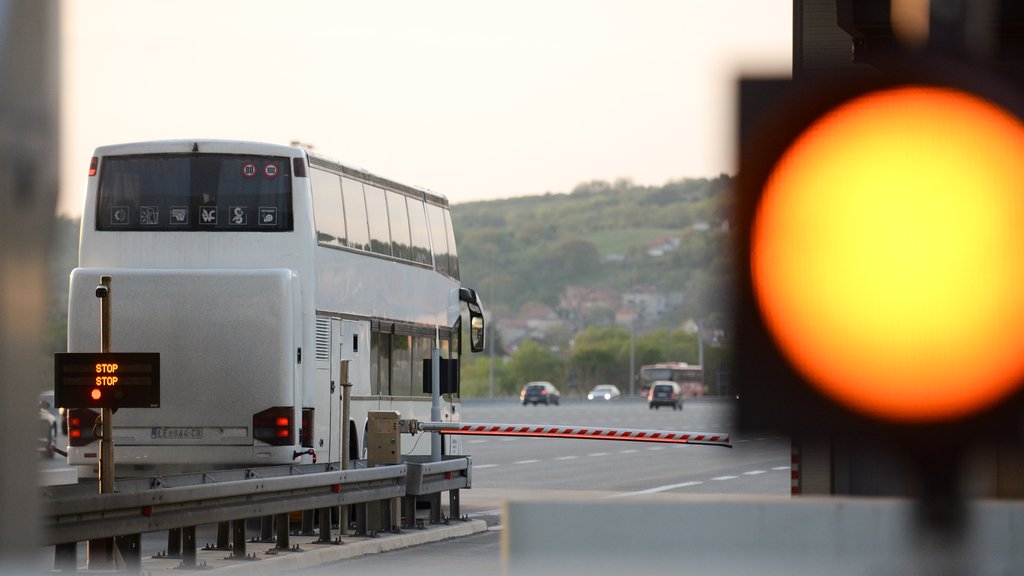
(690, 377)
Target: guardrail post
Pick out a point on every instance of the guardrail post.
(453, 504)
(223, 530)
(361, 514)
(307, 524)
(325, 526)
(435, 508)
(395, 507)
(173, 543)
(130, 549)
(409, 510)
(237, 539)
(188, 547)
(266, 529)
(65, 557)
(282, 531)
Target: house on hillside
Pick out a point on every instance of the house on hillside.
(535, 321)
(539, 318)
(663, 245)
(627, 317)
(578, 305)
(511, 331)
(650, 303)
(711, 333)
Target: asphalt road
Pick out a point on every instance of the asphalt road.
(527, 468)
(755, 465)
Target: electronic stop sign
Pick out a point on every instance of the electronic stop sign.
(881, 260)
(107, 380)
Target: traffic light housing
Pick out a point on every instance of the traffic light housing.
(880, 253)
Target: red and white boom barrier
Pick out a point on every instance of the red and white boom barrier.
(581, 432)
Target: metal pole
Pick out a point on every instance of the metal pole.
(632, 358)
(435, 396)
(346, 439)
(491, 325)
(490, 369)
(102, 553)
(106, 414)
(346, 402)
(700, 355)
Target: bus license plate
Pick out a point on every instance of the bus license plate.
(177, 433)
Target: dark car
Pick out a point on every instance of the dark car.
(665, 393)
(540, 393)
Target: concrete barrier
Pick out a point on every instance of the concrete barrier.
(742, 536)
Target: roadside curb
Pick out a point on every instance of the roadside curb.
(313, 554)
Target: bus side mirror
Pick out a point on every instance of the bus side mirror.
(477, 338)
(476, 333)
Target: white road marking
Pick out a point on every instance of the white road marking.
(781, 468)
(725, 478)
(482, 466)
(567, 458)
(657, 489)
(599, 454)
(526, 462)
(754, 472)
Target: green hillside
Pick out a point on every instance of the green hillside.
(529, 249)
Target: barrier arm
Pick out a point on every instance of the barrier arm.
(579, 432)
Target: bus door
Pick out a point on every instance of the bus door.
(350, 341)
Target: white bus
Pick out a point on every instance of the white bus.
(254, 270)
(690, 377)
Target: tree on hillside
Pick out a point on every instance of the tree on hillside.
(600, 355)
(535, 362)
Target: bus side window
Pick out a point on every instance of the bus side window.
(398, 213)
(382, 355)
(377, 216)
(355, 214)
(401, 365)
(439, 237)
(420, 232)
(422, 348)
(328, 214)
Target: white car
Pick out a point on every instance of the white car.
(52, 428)
(604, 392)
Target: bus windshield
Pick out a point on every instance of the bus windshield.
(194, 192)
(690, 377)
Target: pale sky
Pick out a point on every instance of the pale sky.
(472, 99)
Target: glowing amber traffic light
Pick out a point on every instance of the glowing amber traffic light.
(887, 254)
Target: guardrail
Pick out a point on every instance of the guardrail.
(76, 513)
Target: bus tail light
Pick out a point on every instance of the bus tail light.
(275, 426)
(81, 426)
(306, 432)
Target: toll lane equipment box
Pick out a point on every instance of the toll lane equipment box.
(383, 442)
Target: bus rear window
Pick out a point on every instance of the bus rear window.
(193, 192)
